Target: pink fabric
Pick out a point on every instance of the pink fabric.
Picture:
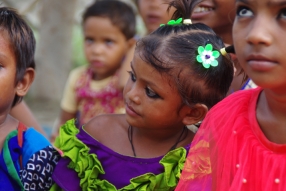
(230, 152)
(92, 103)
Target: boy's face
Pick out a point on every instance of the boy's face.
(154, 13)
(258, 32)
(217, 14)
(7, 73)
(104, 45)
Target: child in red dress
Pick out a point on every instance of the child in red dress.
(241, 144)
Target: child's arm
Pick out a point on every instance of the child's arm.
(68, 102)
(23, 113)
(64, 116)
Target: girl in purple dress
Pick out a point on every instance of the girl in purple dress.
(178, 73)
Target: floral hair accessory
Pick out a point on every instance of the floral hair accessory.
(207, 56)
(173, 22)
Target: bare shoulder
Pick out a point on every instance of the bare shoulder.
(105, 125)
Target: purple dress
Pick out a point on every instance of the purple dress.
(117, 169)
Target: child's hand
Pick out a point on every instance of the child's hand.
(54, 136)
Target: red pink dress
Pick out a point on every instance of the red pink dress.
(230, 151)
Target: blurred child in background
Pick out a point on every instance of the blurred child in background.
(109, 30)
(153, 13)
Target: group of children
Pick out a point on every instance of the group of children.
(179, 71)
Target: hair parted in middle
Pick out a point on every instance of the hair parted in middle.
(172, 50)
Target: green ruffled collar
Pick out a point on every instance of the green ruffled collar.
(89, 167)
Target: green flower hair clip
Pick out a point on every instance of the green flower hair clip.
(173, 22)
(207, 56)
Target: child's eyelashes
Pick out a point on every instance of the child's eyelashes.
(88, 40)
(109, 42)
(282, 14)
(132, 76)
(150, 93)
(243, 11)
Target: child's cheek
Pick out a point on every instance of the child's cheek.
(235, 62)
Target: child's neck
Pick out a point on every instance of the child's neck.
(7, 124)
(271, 112)
(97, 76)
(158, 144)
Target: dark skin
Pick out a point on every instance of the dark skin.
(10, 124)
(239, 77)
(22, 112)
(64, 116)
(8, 87)
(115, 136)
(7, 122)
(251, 38)
(271, 112)
(155, 132)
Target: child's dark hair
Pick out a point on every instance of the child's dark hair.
(22, 42)
(172, 50)
(120, 14)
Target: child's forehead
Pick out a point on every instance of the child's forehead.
(101, 24)
(5, 35)
(163, 71)
(102, 21)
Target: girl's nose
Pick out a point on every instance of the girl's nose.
(133, 93)
(154, 4)
(260, 31)
(97, 48)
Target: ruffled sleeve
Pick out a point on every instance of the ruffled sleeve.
(173, 163)
(88, 167)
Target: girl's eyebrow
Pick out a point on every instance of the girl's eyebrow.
(3, 56)
(146, 80)
(243, 1)
(270, 3)
(276, 3)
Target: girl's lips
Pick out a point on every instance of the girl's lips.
(201, 11)
(153, 19)
(97, 63)
(130, 111)
(261, 63)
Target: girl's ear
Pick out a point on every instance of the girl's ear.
(195, 114)
(131, 42)
(24, 85)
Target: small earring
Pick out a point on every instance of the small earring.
(192, 128)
